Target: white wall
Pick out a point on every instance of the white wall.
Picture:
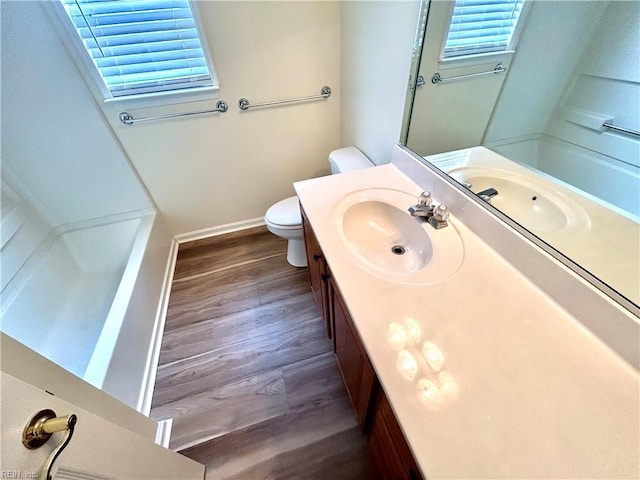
(550, 47)
(206, 171)
(58, 155)
(606, 81)
(22, 227)
(211, 170)
(377, 42)
(53, 137)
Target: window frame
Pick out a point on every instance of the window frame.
(96, 84)
(485, 57)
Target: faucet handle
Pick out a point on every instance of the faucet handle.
(424, 200)
(441, 213)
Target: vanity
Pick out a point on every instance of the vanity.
(458, 361)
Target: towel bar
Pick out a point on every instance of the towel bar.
(244, 104)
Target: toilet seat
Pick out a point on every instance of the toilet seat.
(285, 214)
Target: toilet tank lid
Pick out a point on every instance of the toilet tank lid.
(286, 213)
(348, 159)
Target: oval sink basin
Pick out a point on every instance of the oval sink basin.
(536, 207)
(384, 239)
(385, 236)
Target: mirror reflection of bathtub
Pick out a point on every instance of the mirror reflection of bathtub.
(611, 183)
(557, 212)
(573, 69)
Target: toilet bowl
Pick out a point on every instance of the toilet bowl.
(284, 218)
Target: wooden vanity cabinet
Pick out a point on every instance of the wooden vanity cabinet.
(318, 272)
(388, 449)
(357, 371)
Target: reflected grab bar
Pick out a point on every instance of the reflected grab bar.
(628, 131)
(244, 104)
(127, 118)
(436, 79)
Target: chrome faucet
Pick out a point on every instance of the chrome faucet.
(427, 212)
(487, 194)
(439, 218)
(423, 209)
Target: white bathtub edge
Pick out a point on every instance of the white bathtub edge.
(149, 379)
(98, 366)
(129, 371)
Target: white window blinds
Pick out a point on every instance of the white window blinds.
(141, 46)
(481, 26)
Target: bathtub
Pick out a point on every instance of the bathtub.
(92, 293)
(612, 183)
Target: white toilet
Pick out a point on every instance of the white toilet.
(283, 218)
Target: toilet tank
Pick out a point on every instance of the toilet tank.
(348, 159)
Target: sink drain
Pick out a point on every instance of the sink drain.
(397, 249)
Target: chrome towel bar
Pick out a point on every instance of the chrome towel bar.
(500, 68)
(127, 118)
(628, 131)
(244, 104)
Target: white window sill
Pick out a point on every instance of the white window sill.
(164, 98)
(492, 58)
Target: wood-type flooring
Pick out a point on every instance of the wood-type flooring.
(246, 370)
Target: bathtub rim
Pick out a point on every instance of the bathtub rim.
(100, 359)
(13, 286)
(151, 345)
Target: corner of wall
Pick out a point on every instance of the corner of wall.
(376, 46)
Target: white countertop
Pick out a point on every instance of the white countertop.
(524, 389)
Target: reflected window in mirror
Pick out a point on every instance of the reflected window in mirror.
(478, 27)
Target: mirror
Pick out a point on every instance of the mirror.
(542, 155)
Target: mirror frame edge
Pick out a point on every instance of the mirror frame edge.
(414, 69)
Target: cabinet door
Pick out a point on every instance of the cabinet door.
(388, 448)
(357, 372)
(318, 272)
(382, 451)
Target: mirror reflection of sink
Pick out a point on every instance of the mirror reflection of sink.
(533, 205)
(385, 240)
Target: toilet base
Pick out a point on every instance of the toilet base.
(296, 253)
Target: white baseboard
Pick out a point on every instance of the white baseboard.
(219, 230)
(163, 434)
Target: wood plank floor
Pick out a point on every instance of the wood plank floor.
(246, 370)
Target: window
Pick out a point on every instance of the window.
(481, 26)
(141, 46)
